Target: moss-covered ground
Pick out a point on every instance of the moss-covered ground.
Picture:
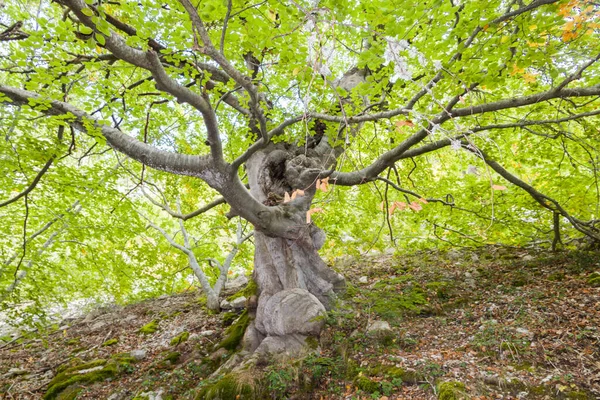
(480, 324)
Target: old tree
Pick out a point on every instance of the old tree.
(272, 103)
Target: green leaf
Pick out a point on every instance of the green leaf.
(87, 11)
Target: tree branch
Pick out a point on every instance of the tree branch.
(32, 185)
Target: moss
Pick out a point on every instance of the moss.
(182, 337)
(366, 384)
(70, 393)
(149, 328)
(229, 317)
(110, 342)
(172, 356)
(124, 359)
(73, 375)
(392, 372)
(452, 391)
(312, 343)
(229, 387)
(235, 333)
(73, 342)
(251, 289)
(556, 277)
(578, 395)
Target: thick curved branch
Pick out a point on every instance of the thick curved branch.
(32, 185)
(199, 166)
(544, 200)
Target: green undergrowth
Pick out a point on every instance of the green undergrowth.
(150, 328)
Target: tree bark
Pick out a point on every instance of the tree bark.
(295, 284)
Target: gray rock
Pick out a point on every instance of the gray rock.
(239, 303)
(252, 338)
(206, 333)
(376, 327)
(15, 372)
(98, 325)
(454, 255)
(153, 395)
(138, 354)
(290, 345)
(237, 283)
(363, 279)
(225, 305)
(293, 311)
(528, 257)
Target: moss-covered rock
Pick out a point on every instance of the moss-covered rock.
(366, 384)
(150, 328)
(229, 317)
(452, 391)
(171, 356)
(395, 373)
(230, 387)
(93, 371)
(235, 333)
(110, 342)
(250, 290)
(70, 393)
(182, 337)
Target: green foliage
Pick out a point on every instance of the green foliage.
(110, 342)
(83, 236)
(229, 387)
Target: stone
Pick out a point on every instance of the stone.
(378, 327)
(138, 354)
(152, 395)
(290, 345)
(239, 303)
(252, 338)
(237, 283)
(454, 255)
(98, 325)
(225, 305)
(528, 257)
(15, 372)
(363, 279)
(206, 333)
(293, 311)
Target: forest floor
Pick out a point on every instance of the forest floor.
(492, 323)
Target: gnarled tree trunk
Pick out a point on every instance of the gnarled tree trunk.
(296, 287)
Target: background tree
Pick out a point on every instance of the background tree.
(290, 99)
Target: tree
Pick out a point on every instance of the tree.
(267, 123)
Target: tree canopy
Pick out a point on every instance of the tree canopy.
(440, 122)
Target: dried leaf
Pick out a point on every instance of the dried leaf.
(286, 198)
(498, 187)
(311, 212)
(415, 206)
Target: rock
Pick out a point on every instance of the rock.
(218, 355)
(206, 333)
(290, 345)
(293, 311)
(152, 395)
(225, 305)
(252, 338)
(528, 257)
(98, 325)
(236, 284)
(138, 354)
(523, 331)
(454, 255)
(474, 257)
(15, 372)
(238, 303)
(378, 326)
(363, 279)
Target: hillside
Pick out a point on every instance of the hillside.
(493, 323)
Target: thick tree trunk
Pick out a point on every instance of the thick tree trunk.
(296, 287)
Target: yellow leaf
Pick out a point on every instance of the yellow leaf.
(272, 15)
(532, 27)
(296, 71)
(529, 78)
